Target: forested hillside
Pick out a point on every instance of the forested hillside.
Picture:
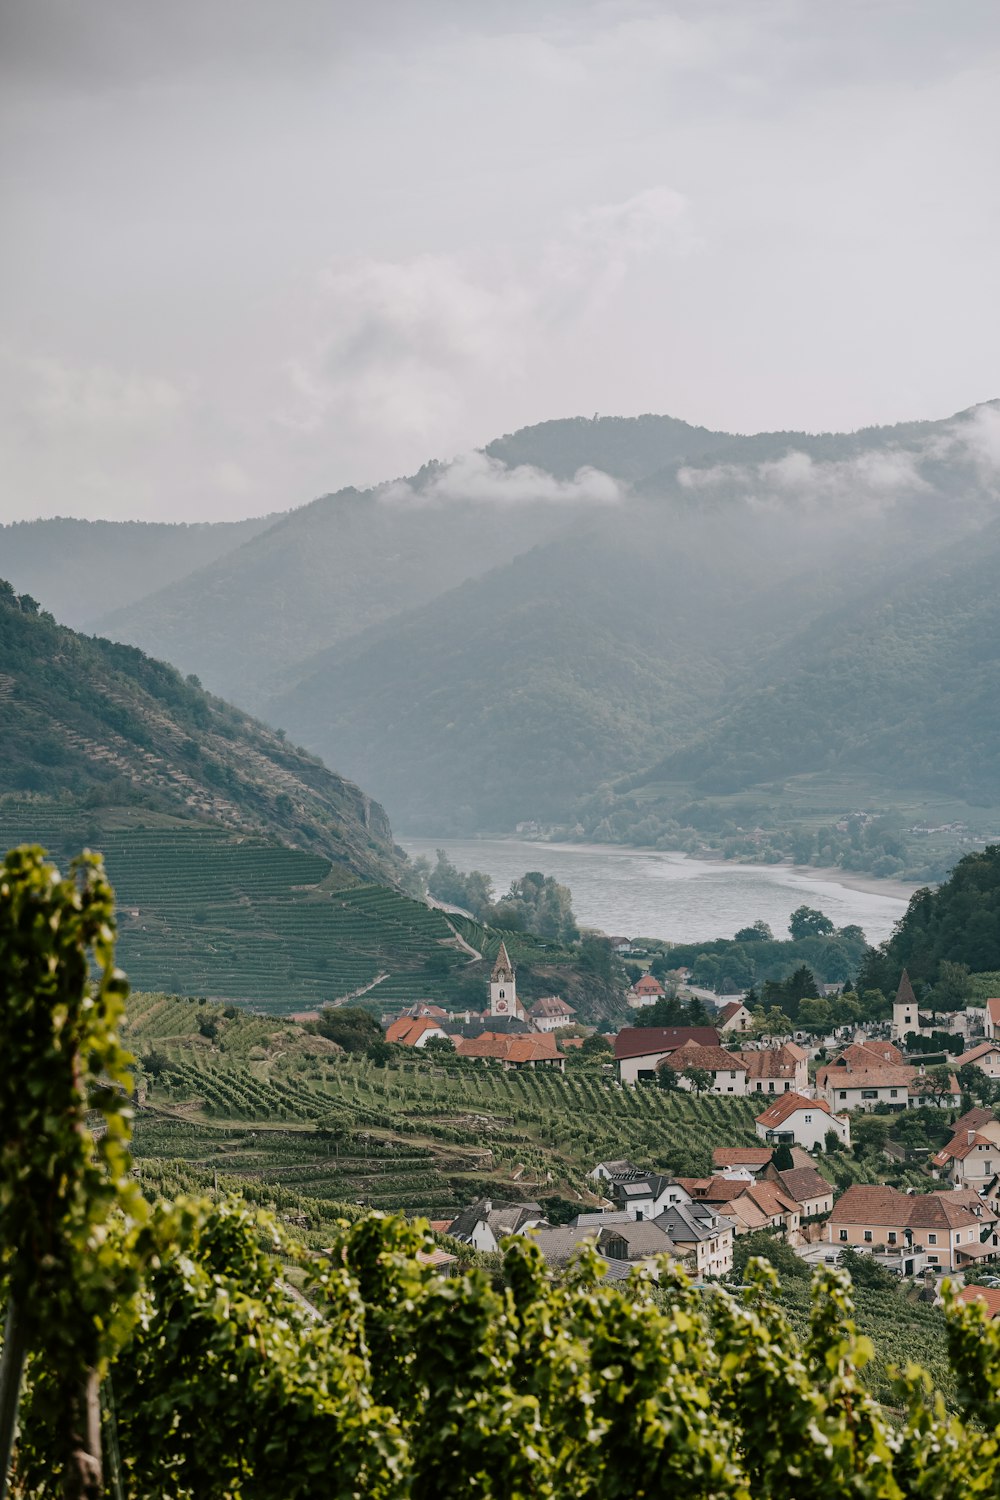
(95, 726)
(510, 635)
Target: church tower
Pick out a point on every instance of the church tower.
(503, 990)
(905, 1015)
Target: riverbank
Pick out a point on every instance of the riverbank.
(675, 897)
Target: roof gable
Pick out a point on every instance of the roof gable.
(787, 1105)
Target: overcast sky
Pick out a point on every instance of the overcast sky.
(255, 250)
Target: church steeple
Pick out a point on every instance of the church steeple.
(905, 1015)
(503, 989)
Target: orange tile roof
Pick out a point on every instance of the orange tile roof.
(729, 1011)
(987, 1296)
(733, 1156)
(773, 1062)
(788, 1104)
(878, 1204)
(974, 1053)
(712, 1059)
(406, 1031)
(993, 1010)
(537, 1047)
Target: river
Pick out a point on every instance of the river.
(664, 894)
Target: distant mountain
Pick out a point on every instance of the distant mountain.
(96, 725)
(81, 569)
(508, 638)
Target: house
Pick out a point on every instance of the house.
(424, 1008)
(646, 1196)
(804, 1186)
(728, 1069)
(795, 1120)
(645, 991)
(734, 1017)
(415, 1031)
(512, 1050)
(986, 1297)
(621, 944)
(972, 1157)
(438, 1260)
(777, 1070)
(753, 1158)
(621, 1241)
(945, 1225)
(550, 1013)
(640, 1049)
(700, 1231)
(992, 1025)
(484, 1224)
(874, 1073)
(986, 1057)
(614, 1171)
(749, 1205)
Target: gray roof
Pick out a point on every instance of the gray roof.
(502, 1217)
(596, 1220)
(558, 1243)
(685, 1226)
(642, 1236)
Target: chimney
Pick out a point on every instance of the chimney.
(972, 1136)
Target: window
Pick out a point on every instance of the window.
(868, 1236)
(932, 1239)
(869, 1093)
(843, 1093)
(732, 1073)
(502, 994)
(843, 1234)
(892, 1236)
(770, 1088)
(809, 1119)
(894, 1093)
(932, 1260)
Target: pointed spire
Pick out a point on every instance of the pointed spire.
(503, 964)
(905, 995)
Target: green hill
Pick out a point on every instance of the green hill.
(98, 725)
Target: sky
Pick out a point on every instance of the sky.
(254, 252)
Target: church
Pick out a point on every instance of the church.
(547, 1014)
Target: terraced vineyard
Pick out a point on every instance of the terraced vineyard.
(265, 1102)
(207, 912)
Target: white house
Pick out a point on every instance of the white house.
(485, 1224)
(728, 1070)
(734, 1017)
(777, 1070)
(416, 1031)
(992, 1024)
(550, 1013)
(971, 1158)
(645, 1197)
(986, 1057)
(640, 1049)
(795, 1120)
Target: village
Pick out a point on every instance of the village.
(809, 1089)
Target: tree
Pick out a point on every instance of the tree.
(759, 932)
(537, 904)
(666, 1075)
(815, 1016)
(936, 1082)
(782, 1159)
(63, 1194)
(700, 1079)
(349, 1026)
(697, 1012)
(952, 988)
(597, 1045)
(806, 922)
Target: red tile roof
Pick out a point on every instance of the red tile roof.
(647, 985)
(640, 1041)
(789, 1104)
(974, 1053)
(729, 1011)
(735, 1156)
(712, 1059)
(406, 1031)
(551, 1005)
(985, 1296)
(993, 1011)
(538, 1047)
(773, 1062)
(877, 1204)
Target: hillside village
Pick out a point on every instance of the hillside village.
(810, 1091)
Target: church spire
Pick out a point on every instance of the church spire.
(905, 995)
(502, 968)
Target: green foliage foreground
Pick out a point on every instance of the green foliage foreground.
(218, 1381)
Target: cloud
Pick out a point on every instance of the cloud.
(481, 479)
(406, 347)
(868, 481)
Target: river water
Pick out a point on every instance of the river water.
(661, 894)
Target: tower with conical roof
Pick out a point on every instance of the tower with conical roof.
(905, 1015)
(503, 988)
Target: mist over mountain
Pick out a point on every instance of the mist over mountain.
(79, 568)
(498, 638)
